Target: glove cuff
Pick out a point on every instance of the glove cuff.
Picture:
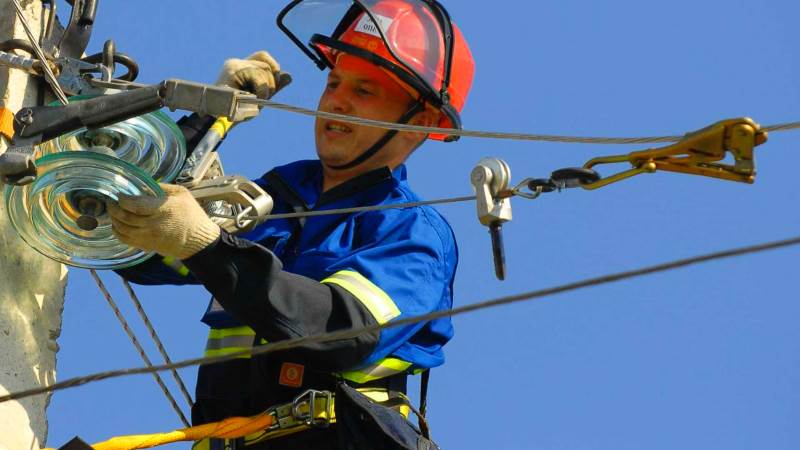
(204, 235)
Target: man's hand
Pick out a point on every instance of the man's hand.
(258, 74)
(175, 225)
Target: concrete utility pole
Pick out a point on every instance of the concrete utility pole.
(31, 286)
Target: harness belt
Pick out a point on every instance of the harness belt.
(311, 409)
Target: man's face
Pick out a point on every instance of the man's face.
(357, 88)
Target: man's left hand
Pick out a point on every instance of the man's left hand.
(175, 225)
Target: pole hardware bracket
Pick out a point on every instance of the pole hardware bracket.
(698, 153)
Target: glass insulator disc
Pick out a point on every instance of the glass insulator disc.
(62, 213)
(152, 142)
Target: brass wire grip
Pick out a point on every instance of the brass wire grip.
(697, 153)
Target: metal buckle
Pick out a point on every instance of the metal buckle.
(309, 397)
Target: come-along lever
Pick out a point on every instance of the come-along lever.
(698, 153)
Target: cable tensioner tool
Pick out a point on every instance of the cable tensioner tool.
(698, 153)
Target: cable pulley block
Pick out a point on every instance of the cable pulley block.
(234, 203)
(698, 153)
(490, 179)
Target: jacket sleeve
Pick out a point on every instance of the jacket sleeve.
(248, 281)
(403, 272)
(406, 271)
(158, 270)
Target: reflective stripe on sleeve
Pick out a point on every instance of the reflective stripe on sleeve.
(371, 296)
(176, 265)
(226, 341)
(382, 369)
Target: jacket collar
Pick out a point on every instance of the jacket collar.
(305, 179)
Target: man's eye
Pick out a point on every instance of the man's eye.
(362, 91)
(332, 85)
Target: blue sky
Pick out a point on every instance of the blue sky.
(706, 357)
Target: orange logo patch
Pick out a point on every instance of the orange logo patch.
(291, 375)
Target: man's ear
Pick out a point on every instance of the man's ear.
(429, 117)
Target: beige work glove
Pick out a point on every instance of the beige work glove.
(258, 74)
(175, 225)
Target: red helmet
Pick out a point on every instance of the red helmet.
(413, 40)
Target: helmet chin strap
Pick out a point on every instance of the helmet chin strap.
(376, 147)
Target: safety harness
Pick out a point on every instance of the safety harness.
(311, 409)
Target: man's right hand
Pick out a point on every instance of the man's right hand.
(258, 74)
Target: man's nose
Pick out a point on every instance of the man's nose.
(337, 100)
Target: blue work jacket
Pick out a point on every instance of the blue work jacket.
(397, 262)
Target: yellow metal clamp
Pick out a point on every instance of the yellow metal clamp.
(698, 153)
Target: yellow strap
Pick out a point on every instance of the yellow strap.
(232, 428)
(6, 123)
(252, 428)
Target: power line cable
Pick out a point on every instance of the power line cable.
(355, 209)
(348, 334)
(489, 134)
(135, 341)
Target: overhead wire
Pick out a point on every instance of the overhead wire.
(352, 333)
(139, 349)
(355, 209)
(488, 134)
(52, 80)
(157, 341)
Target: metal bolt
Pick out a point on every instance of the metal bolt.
(27, 116)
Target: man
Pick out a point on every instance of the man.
(300, 277)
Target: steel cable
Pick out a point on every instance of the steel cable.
(138, 346)
(355, 209)
(490, 134)
(157, 341)
(348, 334)
(48, 73)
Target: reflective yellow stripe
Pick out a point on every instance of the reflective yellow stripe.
(371, 296)
(221, 126)
(382, 369)
(219, 333)
(226, 341)
(230, 341)
(176, 265)
(228, 351)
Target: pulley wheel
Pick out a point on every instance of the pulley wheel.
(62, 214)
